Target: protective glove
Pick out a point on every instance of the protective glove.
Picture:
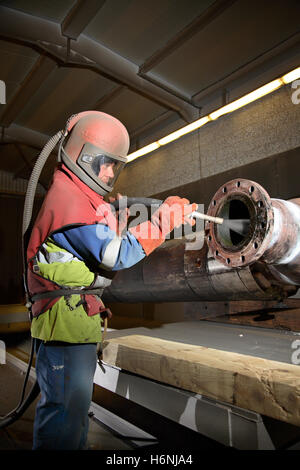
(173, 213)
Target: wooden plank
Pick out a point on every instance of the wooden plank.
(267, 387)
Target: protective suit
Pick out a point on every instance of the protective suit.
(74, 247)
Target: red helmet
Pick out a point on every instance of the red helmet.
(96, 149)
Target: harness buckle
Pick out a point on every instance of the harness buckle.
(35, 266)
(67, 299)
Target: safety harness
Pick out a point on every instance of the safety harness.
(69, 203)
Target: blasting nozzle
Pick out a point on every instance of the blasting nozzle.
(200, 215)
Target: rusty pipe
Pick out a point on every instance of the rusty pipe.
(262, 263)
(273, 235)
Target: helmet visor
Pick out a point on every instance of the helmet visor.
(104, 167)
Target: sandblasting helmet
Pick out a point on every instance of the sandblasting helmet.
(96, 149)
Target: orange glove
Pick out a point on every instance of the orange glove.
(171, 214)
(174, 212)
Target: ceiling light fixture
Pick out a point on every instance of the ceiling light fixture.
(291, 76)
(143, 151)
(184, 130)
(228, 108)
(249, 98)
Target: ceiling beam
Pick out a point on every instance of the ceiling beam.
(65, 57)
(35, 32)
(202, 20)
(79, 17)
(32, 82)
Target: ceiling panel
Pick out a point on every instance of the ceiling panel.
(16, 61)
(54, 10)
(137, 28)
(132, 109)
(65, 92)
(244, 31)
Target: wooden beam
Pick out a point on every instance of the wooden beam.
(267, 387)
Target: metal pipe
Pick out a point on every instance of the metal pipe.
(273, 234)
(261, 263)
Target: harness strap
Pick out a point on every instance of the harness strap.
(65, 292)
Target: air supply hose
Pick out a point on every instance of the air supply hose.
(27, 215)
(34, 178)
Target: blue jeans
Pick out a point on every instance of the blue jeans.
(65, 375)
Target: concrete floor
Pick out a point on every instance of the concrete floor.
(18, 436)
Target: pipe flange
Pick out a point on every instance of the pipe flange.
(240, 199)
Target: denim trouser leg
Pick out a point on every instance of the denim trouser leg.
(65, 376)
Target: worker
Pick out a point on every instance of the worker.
(76, 244)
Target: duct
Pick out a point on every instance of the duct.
(30, 30)
(15, 133)
(262, 263)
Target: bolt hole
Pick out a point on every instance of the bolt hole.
(228, 261)
(214, 203)
(260, 204)
(217, 253)
(224, 189)
(243, 258)
(251, 189)
(238, 184)
(255, 244)
(209, 238)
